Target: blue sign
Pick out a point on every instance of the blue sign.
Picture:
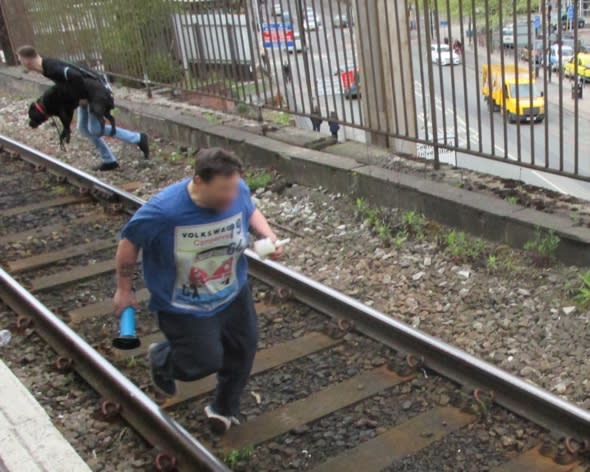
(277, 35)
(537, 22)
(570, 12)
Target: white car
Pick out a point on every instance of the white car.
(277, 9)
(297, 44)
(310, 23)
(442, 54)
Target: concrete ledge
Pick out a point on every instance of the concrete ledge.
(479, 214)
(28, 440)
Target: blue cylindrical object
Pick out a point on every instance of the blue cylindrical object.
(127, 338)
(127, 322)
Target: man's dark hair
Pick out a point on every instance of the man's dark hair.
(28, 52)
(212, 162)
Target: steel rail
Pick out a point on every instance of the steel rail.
(135, 406)
(515, 394)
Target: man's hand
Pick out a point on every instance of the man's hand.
(278, 251)
(122, 299)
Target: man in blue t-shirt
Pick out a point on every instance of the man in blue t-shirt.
(193, 235)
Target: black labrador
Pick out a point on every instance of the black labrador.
(61, 100)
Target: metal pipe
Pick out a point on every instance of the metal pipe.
(136, 407)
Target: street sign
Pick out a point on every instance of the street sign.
(537, 22)
(277, 35)
(570, 12)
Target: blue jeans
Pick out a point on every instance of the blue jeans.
(224, 343)
(89, 126)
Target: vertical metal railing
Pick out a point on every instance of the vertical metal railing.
(307, 57)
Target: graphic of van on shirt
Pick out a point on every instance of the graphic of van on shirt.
(206, 262)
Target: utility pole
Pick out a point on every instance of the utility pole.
(385, 66)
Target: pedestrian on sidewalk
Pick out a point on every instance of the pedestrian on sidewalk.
(287, 72)
(316, 119)
(333, 124)
(193, 235)
(73, 75)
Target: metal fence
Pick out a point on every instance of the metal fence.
(492, 85)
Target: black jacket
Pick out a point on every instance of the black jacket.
(62, 72)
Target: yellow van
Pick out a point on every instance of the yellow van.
(514, 91)
(569, 68)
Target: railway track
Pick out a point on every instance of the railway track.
(336, 385)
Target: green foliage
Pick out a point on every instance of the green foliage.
(512, 200)
(132, 362)
(545, 244)
(256, 181)
(414, 223)
(236, 456)
(582, 297)
(463, 247)
(59, 190)
(492, 262)
(163, 68)
(479, 9)
(212, 117)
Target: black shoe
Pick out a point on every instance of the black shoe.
(143, 144)
(164, 385)
(105, 166)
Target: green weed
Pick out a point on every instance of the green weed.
(256, 181)
(212, 117)
(414, 223)
(492, 262)
(239, 455)
(543, 247)
(512, 200)
(582, 298)
(59, 190)
(463, 247)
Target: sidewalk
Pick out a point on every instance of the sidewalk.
(29, 442)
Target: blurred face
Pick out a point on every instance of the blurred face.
(26, 62)
(219, 193)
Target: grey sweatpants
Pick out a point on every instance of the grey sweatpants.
(224, 343)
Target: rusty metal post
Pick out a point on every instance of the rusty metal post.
(15, 28)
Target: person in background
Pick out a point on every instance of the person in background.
(193, 235)
(63, 72)
(287, 72)
(316, 118)
(333, 124)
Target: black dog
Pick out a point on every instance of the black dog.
(61, 101)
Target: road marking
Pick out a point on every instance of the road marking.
(474, 133)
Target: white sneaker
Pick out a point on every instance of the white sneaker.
(219, 424)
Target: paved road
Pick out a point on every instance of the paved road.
(329, 49)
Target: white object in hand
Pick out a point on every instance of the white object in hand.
(265, 247)
(5, 337)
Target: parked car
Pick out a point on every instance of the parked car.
(297, 43)
(342, 21)
(277, 9)
(442, 54)
(569, 69)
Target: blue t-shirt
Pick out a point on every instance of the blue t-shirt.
(193, 257)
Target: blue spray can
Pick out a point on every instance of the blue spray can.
(127, 338)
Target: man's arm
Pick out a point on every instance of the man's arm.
(125, 262)
(260, 225)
